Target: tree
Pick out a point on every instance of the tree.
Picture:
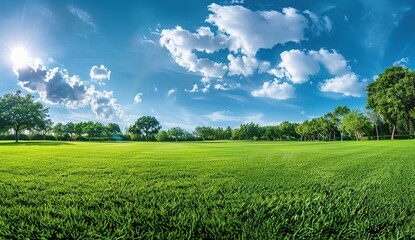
(21, 112)
(228, 133)
(69, 128)
(148, 126)
(376, 119)
(392, 95)
(205, 132)
(58, 129)
(162, 136)
(355, 123)
(79, 129)
(112, 129)
(44, 128)
(176, 132)
(287, 130)
(99, 129)
(249, 130)
(339, 112)
(89, 129)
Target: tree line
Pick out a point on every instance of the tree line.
(390, 109)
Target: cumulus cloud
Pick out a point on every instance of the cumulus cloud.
(241, 32)
(99, 74)
(249, 31)
(333, 61)
(242, 65)
(137, 98)
(347, 85)
(56, 86)
(181, 44)
(299, 65)
(275, 90)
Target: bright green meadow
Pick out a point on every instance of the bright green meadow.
(205, 190)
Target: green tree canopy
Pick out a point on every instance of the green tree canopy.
(355, 123)
(146, 126)
(392, 95)
(21, 112)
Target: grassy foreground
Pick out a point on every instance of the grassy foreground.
(252, 190)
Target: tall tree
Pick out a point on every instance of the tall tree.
(176, 133)
(147, 125)
(58, 130)
(376, 119)
(69, 128)
(21, 112)
(387, 95)
(355, 123)
(78, 130)
(44, 128)
(89, 129)
(228, 133)
(99, 129)
(338, 114)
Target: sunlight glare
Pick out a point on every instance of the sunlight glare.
(19, 55)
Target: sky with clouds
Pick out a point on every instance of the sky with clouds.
(192, 63)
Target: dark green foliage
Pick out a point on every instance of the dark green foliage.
(21, 113)
(146, 126)
(392, 95)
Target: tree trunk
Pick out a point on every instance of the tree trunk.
(16, 135)
(393, 132)
(377, 133)
(334, 135)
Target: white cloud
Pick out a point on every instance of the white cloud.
(242, 65)
(83, 16)
(299, 65)
(347, 85)
(249, 31)
(401, 62)
(137, 98)
(171, 92)
(334, 62)
(242, 33)
(194, 89)
(56, 86)
(103, 103)
(275, 90)
(99, 74)
(181, 44)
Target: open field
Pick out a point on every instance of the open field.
(254, 190)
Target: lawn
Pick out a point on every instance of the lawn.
(200, 190)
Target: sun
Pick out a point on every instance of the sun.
(19, 55)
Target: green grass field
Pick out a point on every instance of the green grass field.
(199, 190)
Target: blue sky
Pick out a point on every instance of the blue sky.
(191, 63)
